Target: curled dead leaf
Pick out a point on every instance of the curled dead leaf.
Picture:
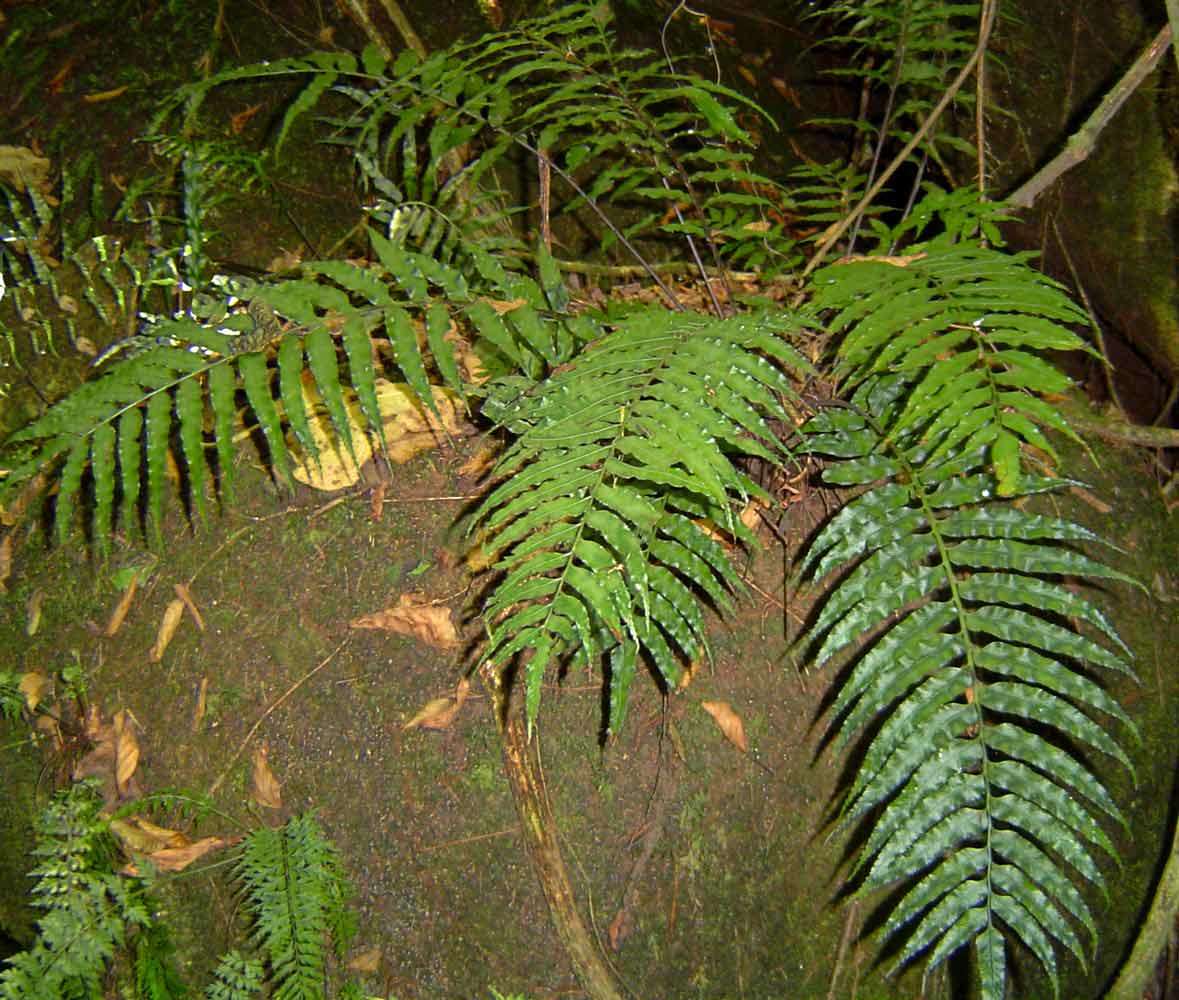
(728, 722)
(176, 859)
(119, 615)
(265, 790)
(185, 595)
(126, 749)
(440, 713)
(5, 561)
(168, 625)
(33, 612)
(34, 686)
(413, 615)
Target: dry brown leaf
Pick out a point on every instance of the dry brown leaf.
(33, 612)
(21, 168)
(168, 625)
(376, 502)
(440, 713)
(751, 515)
(175, 859)
(165, 836)
(437, 713)
(34, 686)
(621, 927)
(134, 838)
(266, 790)
(367, 962)
(126, 750)
(202, 705)
(185, 595)
(5, 561)
(729, 723)
(120, 613)
(414, 616)
(502, 308)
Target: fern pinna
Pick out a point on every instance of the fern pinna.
(974, 659)
(618, 460)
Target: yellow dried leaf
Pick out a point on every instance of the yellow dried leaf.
(34, 686)
(120, 613)
(728, 722)
(202, 705)
(134, 838)
(185, 595)
(21, 168)
(266, 790)
(414, 616)
(33, 612)
(5, 561)
(410, 427)
(367, 962)
(437, 713)
(168, 625)
(166, 836)
(175, 859)
(126, 750)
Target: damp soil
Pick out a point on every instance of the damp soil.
(705, 872)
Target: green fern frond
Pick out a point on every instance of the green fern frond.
(88, 910)
(235, 978)
(296, 892)
(618, 459)
(190, 385)
(984, 667)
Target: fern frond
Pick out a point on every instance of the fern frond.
(619, 457)
(235, 978)
(87, 908)
(296, 891)
(983, 691)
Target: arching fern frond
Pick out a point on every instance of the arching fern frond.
(980, 683)
(188, 386)
(619, 460)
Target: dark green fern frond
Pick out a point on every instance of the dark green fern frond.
(618, 460)
(296, 892)
(975, 662)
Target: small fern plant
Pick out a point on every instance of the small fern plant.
(294, 891)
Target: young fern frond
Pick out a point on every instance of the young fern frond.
(980, 686)
(617, 460)
(296, 892)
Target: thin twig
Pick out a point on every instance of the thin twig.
(1084, 140)
(274, 705)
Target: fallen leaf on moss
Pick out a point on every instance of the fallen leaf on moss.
(728, 722)
(21, 168)
(414, 616)
(33, 612)
(34, 686)
(367, 962)
(265, 790)
(202, 705)
(168, 625)
(440, 713)
(176, 859)
(119, 615)
(126, 749)
(185, 595)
